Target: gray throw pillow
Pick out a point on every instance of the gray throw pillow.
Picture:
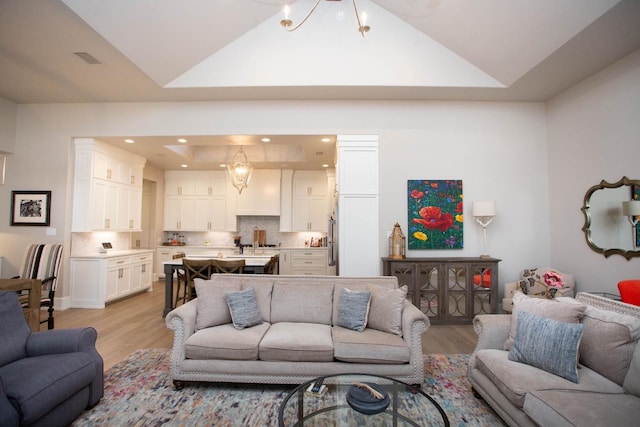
(244, 308)
(353, 309)
(547, 344)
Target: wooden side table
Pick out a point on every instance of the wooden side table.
(32, 310)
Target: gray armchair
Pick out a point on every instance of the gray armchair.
(46, 378)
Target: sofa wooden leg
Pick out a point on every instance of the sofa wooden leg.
(179, 385)
(476, 394)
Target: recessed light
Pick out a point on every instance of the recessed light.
(223, 165)
(182, 140)
(325, 166)
(266, 139)
(129, 141)
(326, 139)
(184, 166)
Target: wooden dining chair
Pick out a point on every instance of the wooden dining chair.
(231, 266)
(196, 269)
(182, 288)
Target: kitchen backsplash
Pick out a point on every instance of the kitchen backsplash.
(85, 243)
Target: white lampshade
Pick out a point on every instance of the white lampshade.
(631, 208)
(484, 208)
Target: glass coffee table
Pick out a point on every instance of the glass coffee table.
(408, 405)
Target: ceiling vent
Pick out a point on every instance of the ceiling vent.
(86, 57)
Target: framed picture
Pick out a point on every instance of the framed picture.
(435, 214)
(31, 208)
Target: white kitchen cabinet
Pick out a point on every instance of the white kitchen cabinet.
(96, 280)
(308, 261)
(107, 188)
(194, 201)
(141, 272)
(310, 205)
(310, 183)
(194, 183)
(163, 254)
(262, 196)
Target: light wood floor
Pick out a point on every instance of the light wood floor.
(137, 323)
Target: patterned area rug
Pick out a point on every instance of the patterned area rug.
(139, 392)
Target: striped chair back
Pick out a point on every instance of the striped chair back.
(42, 261)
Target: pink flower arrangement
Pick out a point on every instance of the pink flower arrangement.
(553, 279)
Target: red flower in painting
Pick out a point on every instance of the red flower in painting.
(417, 194)
(459, 207)
(434, 185)
(433, 219)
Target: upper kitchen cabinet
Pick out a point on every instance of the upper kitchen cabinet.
(262, 195)
(309, 205)
(107, 188)
(194, 183)
(194, 201)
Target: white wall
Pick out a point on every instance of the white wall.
(497, 149)
(8, 121)
(593, 134)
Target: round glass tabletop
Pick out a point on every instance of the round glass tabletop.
(334, 405)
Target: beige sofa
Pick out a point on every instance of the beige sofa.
(298, 337)
(607, 391)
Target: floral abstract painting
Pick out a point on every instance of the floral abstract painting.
(436, 216)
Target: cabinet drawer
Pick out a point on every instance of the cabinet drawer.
(309, 271)
(118, 262)
(140, 259)
(306, 260)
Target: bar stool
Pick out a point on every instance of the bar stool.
(196, 269)
(181, 278)
(235, 266)
(272, 265)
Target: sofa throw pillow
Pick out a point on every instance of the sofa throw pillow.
(547, 344)
(212, 304)
(244, 308)
(385, 313)
(556, 309)
(353, 309)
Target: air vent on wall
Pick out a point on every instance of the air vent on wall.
(86, 57)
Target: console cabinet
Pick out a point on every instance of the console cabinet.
(448, 290)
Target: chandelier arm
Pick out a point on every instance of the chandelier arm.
(289, 28)
(361, 29)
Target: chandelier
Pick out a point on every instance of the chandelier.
(363, 28)
(240, 170)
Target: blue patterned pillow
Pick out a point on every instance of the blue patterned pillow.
(547, 344)
(353, 309)
(244, 308)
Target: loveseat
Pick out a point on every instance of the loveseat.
(547, 335)
(46, 378)
(296, 335)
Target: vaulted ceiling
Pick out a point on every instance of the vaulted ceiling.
(167, 50)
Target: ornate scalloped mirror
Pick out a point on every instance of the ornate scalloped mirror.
(607, 231)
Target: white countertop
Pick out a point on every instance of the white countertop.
(113, 254)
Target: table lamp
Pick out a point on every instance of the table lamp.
(484, 211)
